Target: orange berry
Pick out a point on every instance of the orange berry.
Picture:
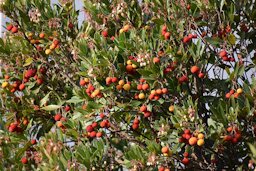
(145, 86)
(139, 87)
(135, 126)
(57, 117)
(159, 91)
(167, 35)
(194, 69)
(108, 80)
(201, 75)
(165, 149)
(223, 53)
(161, 168)
(229, 129)
(192, 141)
(143, 108)
(156, 60)
(164, 90)
(228, 95)
(119, 87)
(129, 68)
(41, 35)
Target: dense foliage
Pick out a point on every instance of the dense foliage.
(150, 85)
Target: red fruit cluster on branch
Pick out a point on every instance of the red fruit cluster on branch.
(188, 38)
(233, 135)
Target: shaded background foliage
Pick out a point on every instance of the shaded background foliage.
(150, 85)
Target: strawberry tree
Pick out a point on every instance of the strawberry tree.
(140, 85)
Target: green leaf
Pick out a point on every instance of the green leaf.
(28, 62)
(45, 99)
(51, 107)
(232, 39)
(253, 149)
(75, 99)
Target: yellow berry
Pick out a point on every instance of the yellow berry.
(48, 51)
(200, 142)
(5, 84)
(129, 62)
(121, 82)
(86, 80)
(134, 66)
(239, 91)
(171, 108)
(126, 27)
(121, 31)
(141, 96)
(200, 136)
(127, 87)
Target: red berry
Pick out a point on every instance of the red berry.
(183, 79)
(39, 81)
(9, 27)
(12, 127)
(114, 79)
(139, 87)
(201, 75)
(161, 168)
(102, 115)
(136, 121)
(143, 108)
(185, 154)
(33, 141)
(99, 134)
(190, 36)
(186, 131)
(104, 33)
(42, 70)
(94, 124)
(93, 134)
(89, 128)
(14, 29)
(82, 82)
(185, 161)
(103, 124)
(227, 138)
(194, 69)
(24, 160)
(187, 136)
(145, 86)
(56, 42)
(67, 108)
(188, 7)
(186, 39)
(22, 87)
(147, 114)
(167, 35)
(234, 140)
(223, 53)
(57, 117)
(164, 28)
(135, 126)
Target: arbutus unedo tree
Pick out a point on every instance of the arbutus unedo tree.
(149, 85)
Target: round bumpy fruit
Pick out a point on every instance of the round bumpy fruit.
(194, 69)
(127, 87)
(24, 160)
(165, 149)
(200, 136)
(200, 142)
(192, 141)
(185, 161)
